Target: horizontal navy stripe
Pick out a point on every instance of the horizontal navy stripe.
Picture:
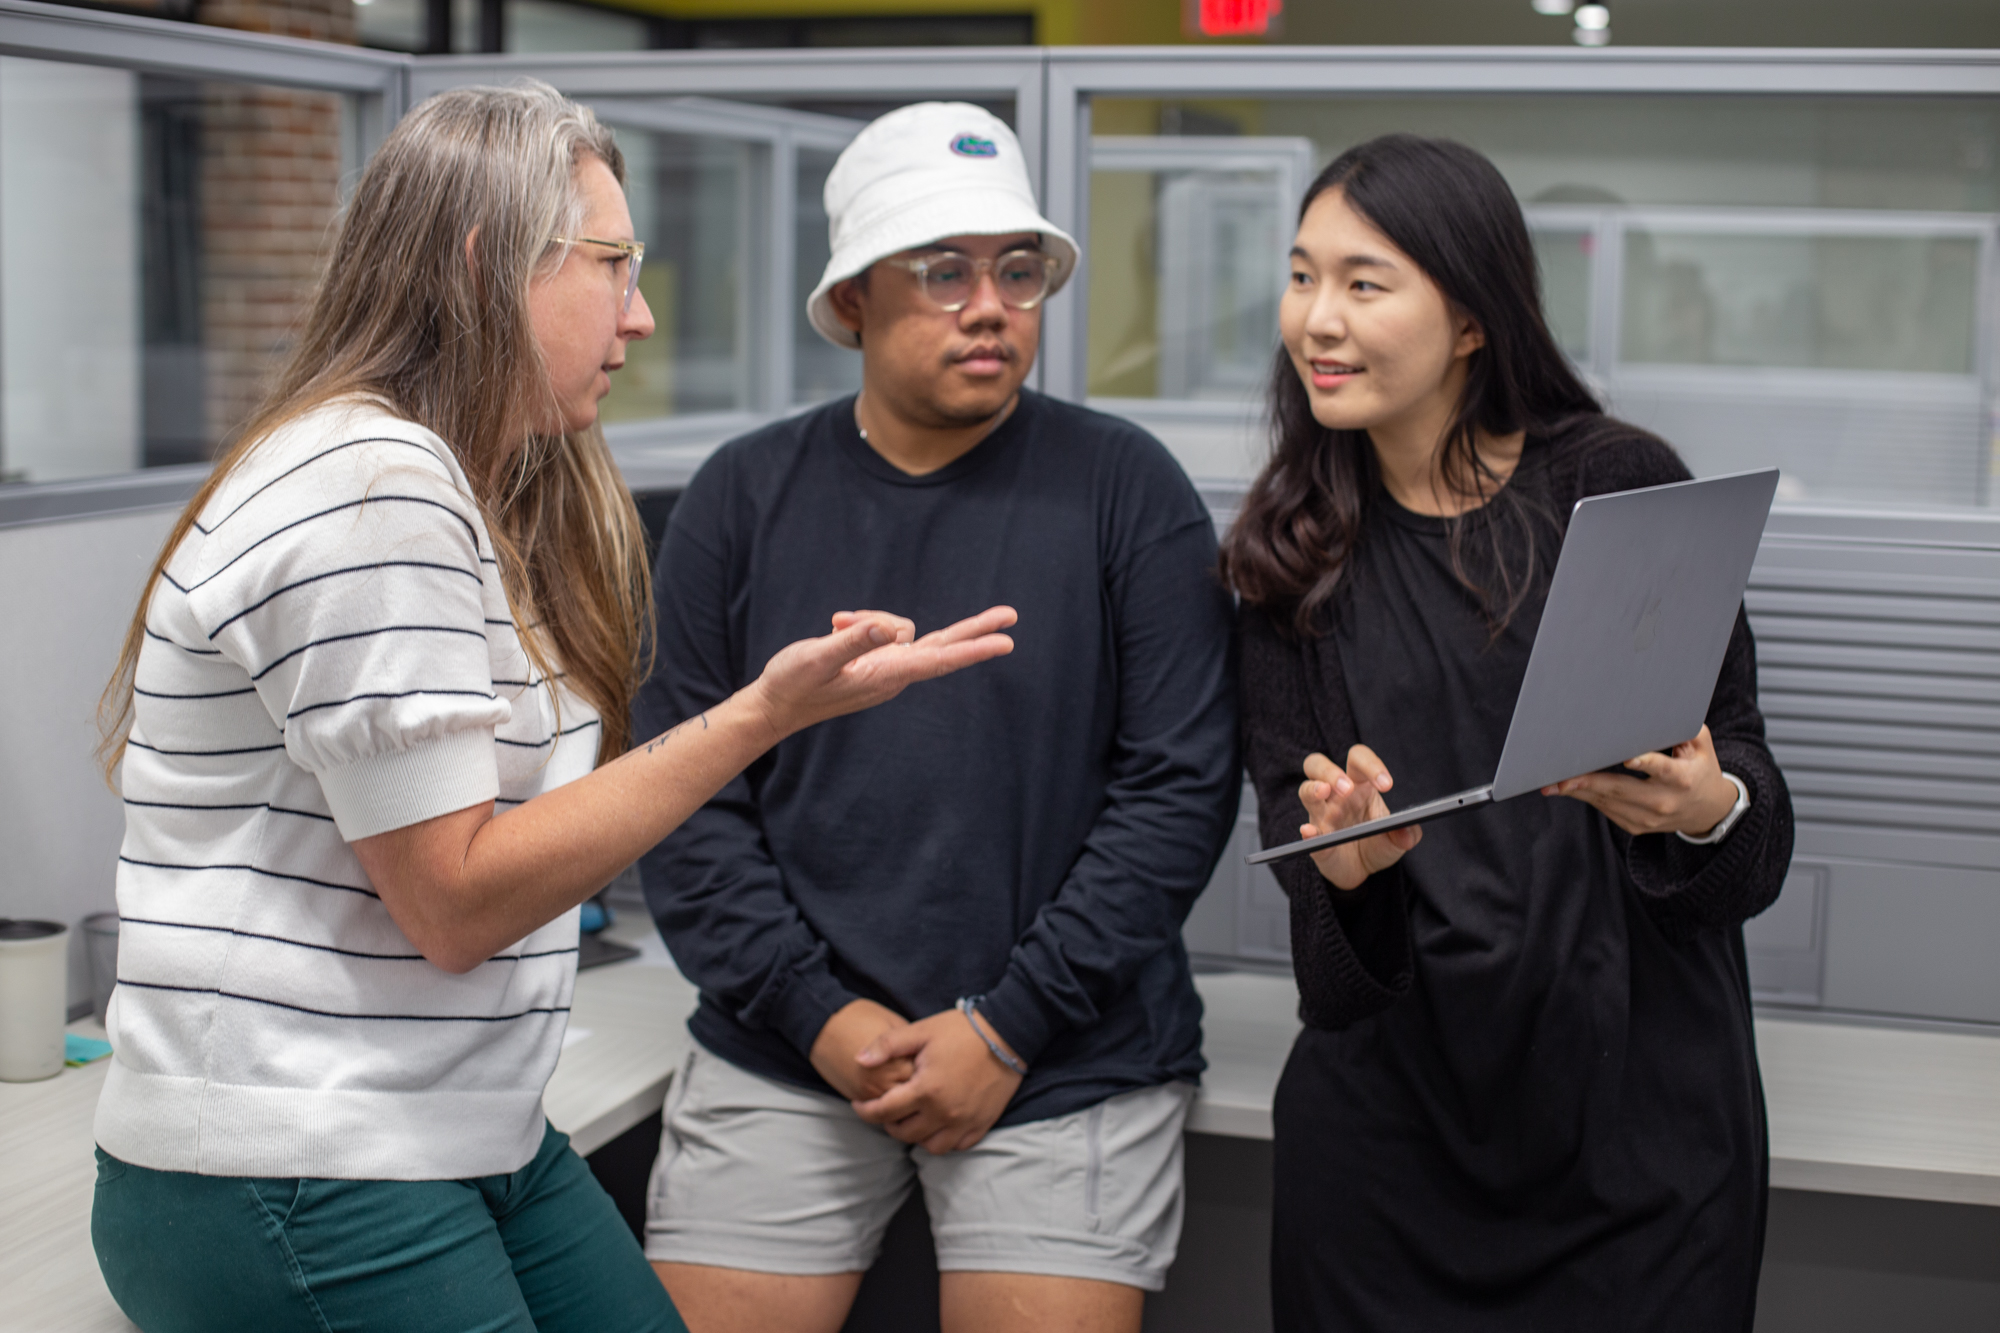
(470, 531)
(327, 1013)
(253, 805)
(327, 948)
(532, 684)
(198, 652)
(405, 694)
(536, 745)
(248, 749)
(324, 453)
(275, 939)
(217, 694)
(367, 633)
(255, 870)
(336, 573)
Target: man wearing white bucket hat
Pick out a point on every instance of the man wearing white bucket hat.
(952, 924)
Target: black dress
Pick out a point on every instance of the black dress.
(1526, 1095)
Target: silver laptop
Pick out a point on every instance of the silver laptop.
(1638, 618)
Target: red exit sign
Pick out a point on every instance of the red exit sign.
(1235, 18)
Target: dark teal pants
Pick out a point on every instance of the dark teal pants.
(541, 1249)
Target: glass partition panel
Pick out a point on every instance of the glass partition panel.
(691, 198)
(820, 370)
(396, 25)
(548, 26)
(1864, 303)
(158, 237)
(1797, 281)
(1215, 213)
(1564, 256)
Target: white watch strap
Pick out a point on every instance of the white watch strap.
(1721, 830)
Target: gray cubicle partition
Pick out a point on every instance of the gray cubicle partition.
(1879, 648)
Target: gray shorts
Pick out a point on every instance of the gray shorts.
(761, 1175)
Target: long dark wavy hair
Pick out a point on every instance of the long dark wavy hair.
(1448, 209)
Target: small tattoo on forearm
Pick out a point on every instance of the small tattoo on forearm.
(668, 735)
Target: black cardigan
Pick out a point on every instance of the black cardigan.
(1351, 950)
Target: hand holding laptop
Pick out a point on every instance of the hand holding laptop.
(1683, 791)
(1335, 799)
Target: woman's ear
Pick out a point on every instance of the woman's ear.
(1471, 337)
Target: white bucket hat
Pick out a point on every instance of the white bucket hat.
(917, 175)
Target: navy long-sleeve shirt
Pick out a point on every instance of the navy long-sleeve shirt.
(1033, 829)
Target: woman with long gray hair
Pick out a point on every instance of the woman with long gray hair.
(370, 728)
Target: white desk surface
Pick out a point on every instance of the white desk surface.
(1898, 1112)
(1854, 1110)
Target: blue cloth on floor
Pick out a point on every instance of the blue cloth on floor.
(78, 1051)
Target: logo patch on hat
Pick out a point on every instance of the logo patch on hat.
(971, 145)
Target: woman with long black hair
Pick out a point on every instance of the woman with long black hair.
(1526, 1095)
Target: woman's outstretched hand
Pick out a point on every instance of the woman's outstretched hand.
(1683, 791)
(1336, 799)
(870, 658)
(465, 885)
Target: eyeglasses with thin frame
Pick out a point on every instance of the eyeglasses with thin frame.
(632, 250)
(948, 278)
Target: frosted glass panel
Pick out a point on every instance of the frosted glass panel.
(1795, 281)
(1187, 247)
(159, 238)
(1225, 235)
(690, 203)
(1124, 359)
(1186, 270)
(69, 320)
(1871, 303)
(1564, 257)
(548, 26)
(399, 25)
(819, 369)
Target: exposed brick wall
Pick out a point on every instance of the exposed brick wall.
(270, 184)
(321, 20)
(270, 181)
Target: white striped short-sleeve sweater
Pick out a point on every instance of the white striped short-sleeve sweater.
(330, 655)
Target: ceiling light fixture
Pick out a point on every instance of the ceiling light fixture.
(1554, 7)
(1593, 26)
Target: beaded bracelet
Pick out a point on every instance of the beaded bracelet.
(965, 1006)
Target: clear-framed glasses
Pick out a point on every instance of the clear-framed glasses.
(948, 279)
(634, 252)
